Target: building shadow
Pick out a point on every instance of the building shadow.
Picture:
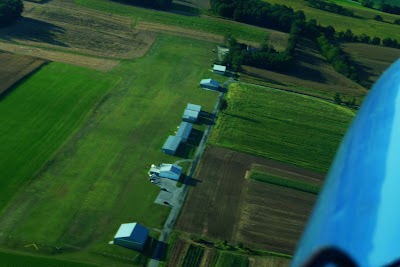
(184, 150)
(195, 137)
(188, 180)
(28, 29)
(155, 249)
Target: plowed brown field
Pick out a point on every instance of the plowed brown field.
(15, 67)
(226, 206)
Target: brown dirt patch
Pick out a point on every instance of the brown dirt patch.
(15, 67)
(372, 59)
(273, 217)
(218, 206)
(268, 262)
(310, 71)
(70, 29)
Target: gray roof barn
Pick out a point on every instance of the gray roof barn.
(165, 170)
(171, 145)
(219, 69)
(132, 236)
(193, 107)
(190, 115)
(184, 131)
(209, 84)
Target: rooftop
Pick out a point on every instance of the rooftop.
(193, 107)
(219, 68)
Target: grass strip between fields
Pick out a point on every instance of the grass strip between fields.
(289, 183)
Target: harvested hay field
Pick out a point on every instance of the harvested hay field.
(79, 31)
(217, 207)
(311, 74)
(15, 67)
(273, 217)
(373, 60)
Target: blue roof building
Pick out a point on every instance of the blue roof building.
(190, 115)
(132, 235)
(171, 145)
(170, 171)
(193, 107)
(184, 131)
(209, 84)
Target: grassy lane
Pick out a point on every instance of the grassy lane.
(98, 180)
(283, 126)
(39, 115)
(208, 25)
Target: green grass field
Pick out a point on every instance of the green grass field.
(204, 24)
(98, 179)
(364, 23)
(287, 127)
(230, 259)
(285, 182)
(16, 260)
(39, 115)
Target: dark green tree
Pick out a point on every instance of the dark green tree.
(378, 18)
(338, 99)
(376, 41)
(10, 10)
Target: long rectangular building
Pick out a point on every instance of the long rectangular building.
(171, 145)
(184, 130)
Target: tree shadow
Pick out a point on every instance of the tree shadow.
(29, 29)
(155, 249)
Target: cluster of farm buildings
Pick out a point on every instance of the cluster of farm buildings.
(134, 235)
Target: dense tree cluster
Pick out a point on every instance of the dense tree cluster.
(330, 7)
(258, 13)
(158, 4)
(390, 9)
(340, 61)
(10, 10)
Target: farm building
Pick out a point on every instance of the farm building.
(165, 170)
(209, 84)
(132, 235)
(219, 69)
(193, 107)
(171, 145)
(184, 131)
(190, 115)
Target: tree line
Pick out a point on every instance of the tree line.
(157, 4)
(387, 8)
(10, 10)
(330, 7)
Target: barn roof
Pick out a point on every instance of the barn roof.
(184, 130)
(134, 231)
(172, 143)
(190, 114)
(219, 68)
(193, 107)
(209, 82)
(170, 168)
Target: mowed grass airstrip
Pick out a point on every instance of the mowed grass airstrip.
(97, 180)
(287, 127)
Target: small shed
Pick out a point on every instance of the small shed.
(219, 69)
(170, 171)
(184, 130)
(190, 115)
(193, 107)
(171, 145)
(132, 235)
(209, 84)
